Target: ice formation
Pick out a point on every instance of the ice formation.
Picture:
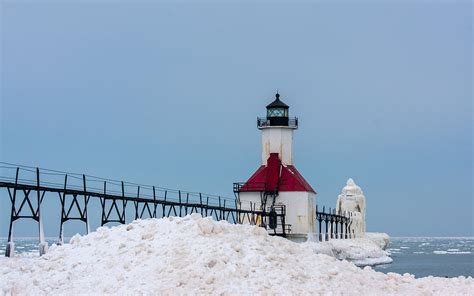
(352, 200)
(379, 238)
(360, 251)
(194, 255)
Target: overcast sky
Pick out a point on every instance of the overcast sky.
(168, 94)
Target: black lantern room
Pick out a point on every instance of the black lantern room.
(277, 112)
(277, 115)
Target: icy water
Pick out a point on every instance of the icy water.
(445, 257)
(26, 246)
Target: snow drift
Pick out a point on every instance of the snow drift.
(194, 255)
(360, 251)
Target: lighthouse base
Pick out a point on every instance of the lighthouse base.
(299, 213)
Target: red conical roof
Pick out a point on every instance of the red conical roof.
(276, 177)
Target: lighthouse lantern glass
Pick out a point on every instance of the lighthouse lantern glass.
(277, 112)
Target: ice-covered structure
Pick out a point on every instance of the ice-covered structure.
(351, 202)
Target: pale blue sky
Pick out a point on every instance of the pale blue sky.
(168, 94)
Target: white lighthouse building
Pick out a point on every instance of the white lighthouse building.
(276, 187)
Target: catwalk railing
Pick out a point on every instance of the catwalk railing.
(333, 225)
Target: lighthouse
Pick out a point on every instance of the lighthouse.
(276, 188)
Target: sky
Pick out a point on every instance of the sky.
(168, 94)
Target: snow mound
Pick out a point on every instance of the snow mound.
(194, 255)
(360, 251)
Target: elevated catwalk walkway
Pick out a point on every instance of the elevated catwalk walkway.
(27, 187)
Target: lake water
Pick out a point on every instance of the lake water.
(445, 257)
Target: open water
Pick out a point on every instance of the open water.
(445, 257)
(425, 256)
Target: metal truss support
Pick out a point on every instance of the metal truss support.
(19, 211)
(149, 206)
(111, 206)
(73, 203)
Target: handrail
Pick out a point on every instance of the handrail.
(249, 186)
(263, 122)
(56, 178)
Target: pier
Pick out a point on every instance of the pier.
(27, 187)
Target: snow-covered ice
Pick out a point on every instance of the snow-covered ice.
(379, 238)
(194, 255)
(360, 251)
(450, 252)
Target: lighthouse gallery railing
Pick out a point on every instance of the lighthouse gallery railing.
(265, 122)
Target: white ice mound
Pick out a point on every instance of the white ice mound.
(379, 238)
(360, 251)
(195, 255)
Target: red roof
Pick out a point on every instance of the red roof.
(276, 177)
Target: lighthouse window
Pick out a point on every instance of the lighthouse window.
(277, 112)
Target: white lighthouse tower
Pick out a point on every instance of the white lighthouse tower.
(277, 188)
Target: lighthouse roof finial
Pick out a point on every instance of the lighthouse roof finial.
(277, 103)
